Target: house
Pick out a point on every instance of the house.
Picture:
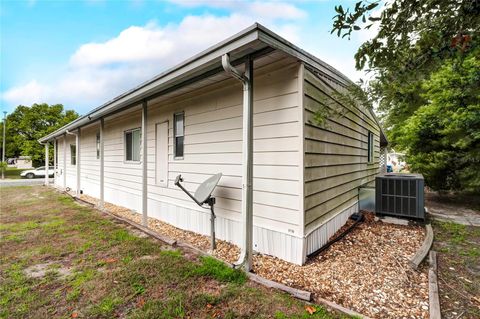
(22, 162)
(300, 179)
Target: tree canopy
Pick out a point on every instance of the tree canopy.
(442, 136)
(425, 75)
(27, 124)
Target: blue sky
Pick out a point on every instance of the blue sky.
(83, 53)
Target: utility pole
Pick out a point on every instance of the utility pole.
(3, 147)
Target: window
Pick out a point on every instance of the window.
(132, 145)
(73, 154)
(98, 145)
(370, 147)
(178, 131)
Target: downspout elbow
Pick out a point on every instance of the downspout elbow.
(228, 67)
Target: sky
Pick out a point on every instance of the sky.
(83, 53)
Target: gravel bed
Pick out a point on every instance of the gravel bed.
(367, 271)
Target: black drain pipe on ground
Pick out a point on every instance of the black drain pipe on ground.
(357, 217)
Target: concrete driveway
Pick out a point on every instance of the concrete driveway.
(23, 182)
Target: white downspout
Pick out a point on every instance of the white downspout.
(144, 165)
(245, 259)
(77, 158)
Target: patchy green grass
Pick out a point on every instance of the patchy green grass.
(216, 269)
(98, 268)
(459, 269)
(13, 173)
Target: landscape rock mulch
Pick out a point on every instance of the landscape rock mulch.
(366, 271)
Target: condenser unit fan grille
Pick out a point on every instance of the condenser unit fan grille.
(400, 195)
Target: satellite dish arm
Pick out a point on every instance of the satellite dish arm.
(209, 200)
(177, 183)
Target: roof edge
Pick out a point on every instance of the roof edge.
(250, 34)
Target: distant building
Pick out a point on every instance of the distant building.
(23, 162)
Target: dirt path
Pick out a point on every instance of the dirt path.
(449, 208)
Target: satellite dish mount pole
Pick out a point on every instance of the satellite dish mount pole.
(209, 200)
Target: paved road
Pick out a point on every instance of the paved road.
(22, 182)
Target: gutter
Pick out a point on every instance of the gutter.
(245, 259)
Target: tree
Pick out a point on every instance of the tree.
(442, 137)
(416, 43)
(414, 39)
(27, 124)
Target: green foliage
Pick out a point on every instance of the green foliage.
(340, 102)
(106, 307)
(410, 33)
(27, 124)
(442, 137)
(428, 100)
(218, 270)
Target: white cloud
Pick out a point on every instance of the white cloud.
(27, 94)
(208, 3)
(276, 10)
(265, 9)
(132, 44)
(99, 71)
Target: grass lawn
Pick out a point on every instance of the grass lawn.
(458, 249)
(12, 172)
(63, 260)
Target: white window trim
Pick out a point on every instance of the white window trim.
(71, 157)
(97, 145)
(125, 146)
(370, 147)
(175, 157)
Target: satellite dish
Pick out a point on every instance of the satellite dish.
(205, 189)
(203, 196)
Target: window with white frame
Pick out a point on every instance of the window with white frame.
(97, 143)
(178, 132)
(132, 145)
(73, 154)
(370, 147)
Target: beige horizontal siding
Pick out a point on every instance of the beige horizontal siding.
(213, 143)
(335, 154)
(89, 164)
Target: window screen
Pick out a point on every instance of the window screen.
(132, 145)
(370, 147)
(73, 154)
(98, 145)
(178, 122)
